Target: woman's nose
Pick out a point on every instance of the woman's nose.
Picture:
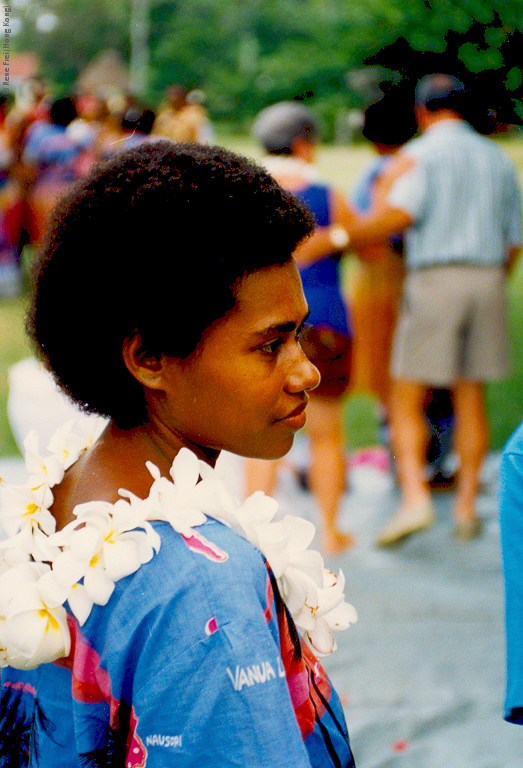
(303, 375)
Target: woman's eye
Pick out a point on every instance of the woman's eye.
(302, 330)
(272, 347)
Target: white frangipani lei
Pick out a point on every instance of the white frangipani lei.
(41, 569)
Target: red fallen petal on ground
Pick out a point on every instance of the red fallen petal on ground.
(401, 746)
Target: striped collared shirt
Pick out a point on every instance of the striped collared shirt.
(463, 196)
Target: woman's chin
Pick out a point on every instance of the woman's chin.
(271, 453)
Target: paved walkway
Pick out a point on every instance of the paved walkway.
(422, 672)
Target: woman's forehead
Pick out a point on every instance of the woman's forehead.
(269, 300)
(271, 292)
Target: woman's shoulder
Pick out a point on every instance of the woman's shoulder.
(210, 559)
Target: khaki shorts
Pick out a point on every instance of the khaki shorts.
(452, 325)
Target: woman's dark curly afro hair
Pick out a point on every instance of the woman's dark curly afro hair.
(153, 241)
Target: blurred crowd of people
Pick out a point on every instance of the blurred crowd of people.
(47, 144)
(435, 222)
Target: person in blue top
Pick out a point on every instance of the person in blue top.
(511, 521)
(154, 626)
(288, 131)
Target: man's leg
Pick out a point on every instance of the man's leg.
(409, 443)
(471, 441)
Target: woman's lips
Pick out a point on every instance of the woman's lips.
(296, 419)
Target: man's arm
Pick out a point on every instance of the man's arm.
(378, 225)
(384, 218)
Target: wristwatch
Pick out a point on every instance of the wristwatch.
(339, 237)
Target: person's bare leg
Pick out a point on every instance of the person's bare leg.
(327, 470)
(409, 435)
(260, 475)
(409, 444)
(471, 441)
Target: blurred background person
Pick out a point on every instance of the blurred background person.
(376, 281)
(111, 131)
(10, 211)
(288, 131)
(54, 160)
(135, 127)
(183, 116)
(85, 129)
(32, 104)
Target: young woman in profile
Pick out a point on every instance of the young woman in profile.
(146, 617)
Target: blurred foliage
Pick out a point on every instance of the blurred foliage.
(247, 53)
(83, 29)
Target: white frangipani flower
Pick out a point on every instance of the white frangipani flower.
(107, 542)
(91, 428)
(23, 507)
(75, 436)
(245, 518)
(313, 595)
(66, 444)
(14, 551)
(48, 471)
(185, 502)
(332, 613)
(101, 546)
(32, 630)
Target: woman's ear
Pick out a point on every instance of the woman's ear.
(145, 368)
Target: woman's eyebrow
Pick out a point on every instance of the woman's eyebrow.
(288, 327)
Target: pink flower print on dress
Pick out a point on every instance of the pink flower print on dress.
(136, 753)
(198, 543)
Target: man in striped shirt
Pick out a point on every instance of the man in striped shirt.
(455, 194)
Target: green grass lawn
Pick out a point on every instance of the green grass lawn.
(13, 347)
(339, 165)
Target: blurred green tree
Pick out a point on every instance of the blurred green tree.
(247, 53)
(82, 28)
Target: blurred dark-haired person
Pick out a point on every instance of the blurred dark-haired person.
(54, 160)
(159, 624)
(376, 281)
(455, 195)
(133, 128)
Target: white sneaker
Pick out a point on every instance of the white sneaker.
(407, 520)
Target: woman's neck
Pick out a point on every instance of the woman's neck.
(118, 460)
